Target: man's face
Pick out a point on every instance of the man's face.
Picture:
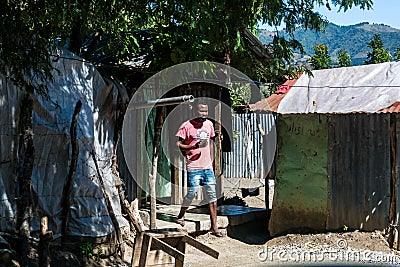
(202, 112)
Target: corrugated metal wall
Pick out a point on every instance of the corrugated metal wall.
(359, 171)
(246, 160)
(395, 179)
(139, 159)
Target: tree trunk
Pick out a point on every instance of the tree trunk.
(24, 193)
(66, 195)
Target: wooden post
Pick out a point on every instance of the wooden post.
(146, 243)
(176, 189)
(133, 214)
(66, 195)
(218, 146)
(139, 160)
(45, 238)
(182, 248)
(24, 200)
(108, 204)
(153, 176)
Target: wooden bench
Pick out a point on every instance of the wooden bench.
(171, 241)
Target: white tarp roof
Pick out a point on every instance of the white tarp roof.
(76, 80)
(367, 88)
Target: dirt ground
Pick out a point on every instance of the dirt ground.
(250, 245)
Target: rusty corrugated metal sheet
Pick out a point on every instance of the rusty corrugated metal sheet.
(395, 108)
(272, 102)
(359, 171)
(269, 104)
(396, 160)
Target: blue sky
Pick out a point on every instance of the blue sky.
(384, 11)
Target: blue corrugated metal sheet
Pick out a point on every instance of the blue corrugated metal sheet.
(247, 159)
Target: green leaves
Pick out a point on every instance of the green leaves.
(397, 53)
(344, 59)
(321, 59)
(162, 32)
(379, 54)
(348, 4)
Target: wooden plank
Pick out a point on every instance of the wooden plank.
(218, 148)
(168, 249)
(164, 233)
(153, 257)
(146, 243)
(137, 250)
(200, 246)
(159, 258)
(176, 189)
(182, 248)
(45, 238)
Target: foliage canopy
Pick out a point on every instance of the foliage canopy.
(161, 32)
(321, 59)
(397, 53)
(379, 54)
(344, 59)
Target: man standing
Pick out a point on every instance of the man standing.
(195, 142)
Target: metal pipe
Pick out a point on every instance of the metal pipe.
(162, 102)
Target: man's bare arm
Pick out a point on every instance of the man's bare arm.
(184, 147)
(212, 147)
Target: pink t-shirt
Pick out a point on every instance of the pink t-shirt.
(192, 132)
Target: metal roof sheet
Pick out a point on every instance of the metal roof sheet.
(371, 88)
(395, 108)
(271, 103)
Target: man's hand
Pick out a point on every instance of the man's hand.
(201, 143)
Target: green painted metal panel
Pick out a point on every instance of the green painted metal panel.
(163, 188)
(301, 186)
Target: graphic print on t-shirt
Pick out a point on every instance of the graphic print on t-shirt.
(192, 132)
(201, 134)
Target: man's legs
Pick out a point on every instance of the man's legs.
(210, 189)
(213, 216)
(193, 185)
(182, 212)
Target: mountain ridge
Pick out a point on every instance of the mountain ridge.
(352, 38)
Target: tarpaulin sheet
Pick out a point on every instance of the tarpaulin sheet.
(74, 80)
(367, 88)
(10, 107)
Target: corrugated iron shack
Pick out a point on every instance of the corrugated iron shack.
(190, 78)
(171, 188)
(338, 151)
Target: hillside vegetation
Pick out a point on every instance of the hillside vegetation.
(353, 39)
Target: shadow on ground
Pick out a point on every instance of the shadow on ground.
(252, 233)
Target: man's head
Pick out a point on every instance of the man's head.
(201, 109)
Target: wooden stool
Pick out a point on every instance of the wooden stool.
(170, 241)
